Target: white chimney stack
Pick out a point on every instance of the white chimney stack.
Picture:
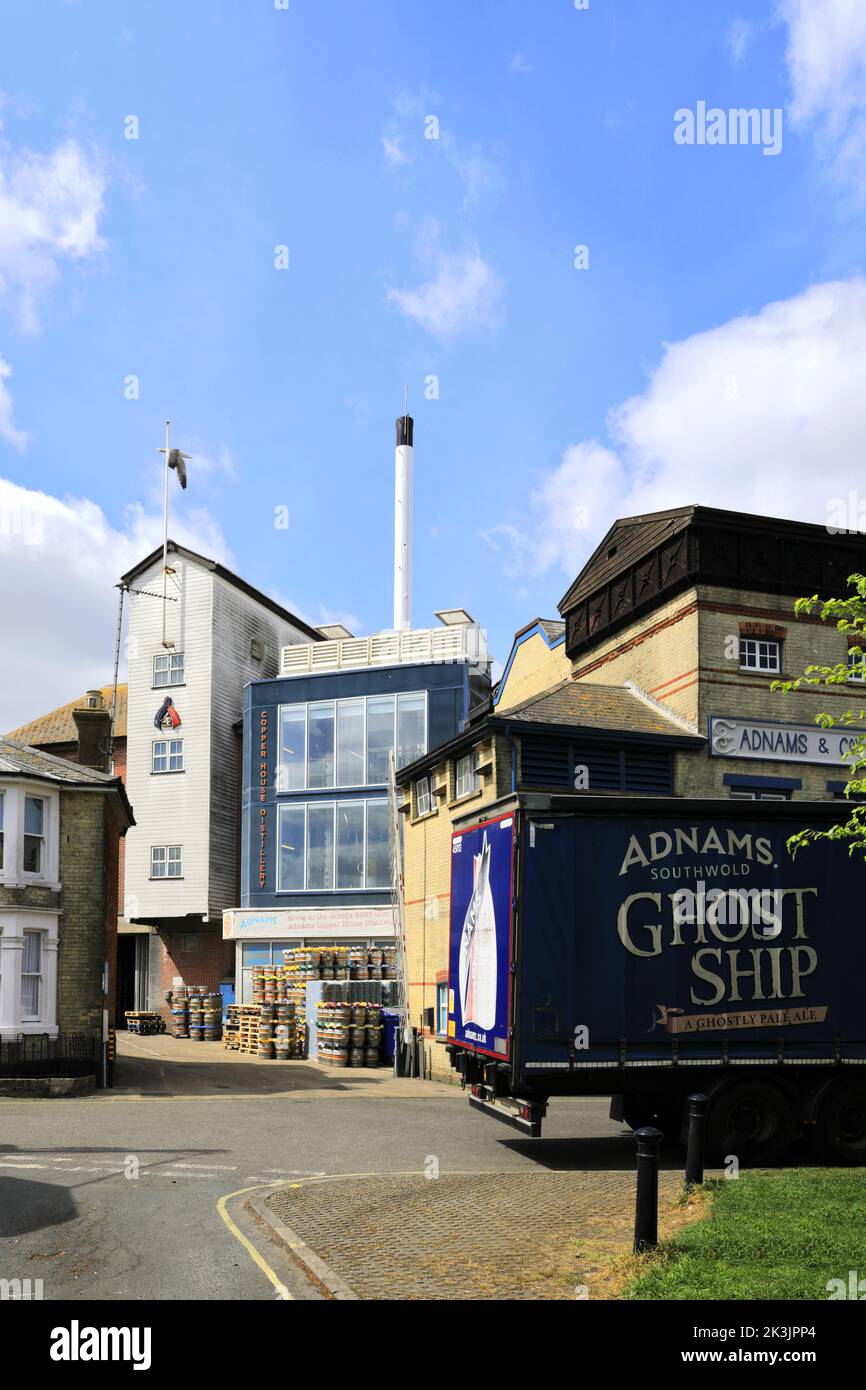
(403, 466)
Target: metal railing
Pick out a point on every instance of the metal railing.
(36, 1054)
(465, 642)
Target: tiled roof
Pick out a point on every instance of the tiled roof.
(59, 726)
(585, 705)
(553, 628)
(17, 758)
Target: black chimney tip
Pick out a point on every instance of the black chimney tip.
(405, 430)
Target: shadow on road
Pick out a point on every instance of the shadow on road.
(618, 1152)
(221, 1074)
(26, 1205)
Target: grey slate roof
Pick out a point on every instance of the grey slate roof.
(18, 758)
(582, 704)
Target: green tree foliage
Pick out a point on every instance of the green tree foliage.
(849, 615)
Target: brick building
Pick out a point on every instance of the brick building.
(696, 606)
(657, 682)
(61, 828)
(59, 733)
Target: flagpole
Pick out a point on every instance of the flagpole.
(165, 536)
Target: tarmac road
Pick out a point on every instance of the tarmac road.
(117, 1196)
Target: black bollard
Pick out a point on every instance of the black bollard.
(697, 1139)
(646, 1213)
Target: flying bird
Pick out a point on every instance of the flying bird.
(177, 460)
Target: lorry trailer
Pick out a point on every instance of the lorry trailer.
(647, 950)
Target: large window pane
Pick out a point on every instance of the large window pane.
(350, 743)
(291, 764)
(320, 846)
(411, 727)
(380, 736)
(378, 864)
(350, 844)
(290, 878)
(320, 765)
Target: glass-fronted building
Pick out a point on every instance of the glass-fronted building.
(315, 860)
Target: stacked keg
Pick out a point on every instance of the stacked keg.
(332, 1022)
(180, 1014)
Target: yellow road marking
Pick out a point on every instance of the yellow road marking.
(247, 1244)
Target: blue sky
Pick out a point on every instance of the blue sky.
(711, 352)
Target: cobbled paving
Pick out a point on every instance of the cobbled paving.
(463, 1236)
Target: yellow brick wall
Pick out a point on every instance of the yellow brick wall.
(536, 667)
(685, 654)
(427, 880)
(658, 652)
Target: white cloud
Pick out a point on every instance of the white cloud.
(766, 413)
(8, 431)
(50, 205)
(62, 557)
(740, 36)
(520, 63)
(826, 56)
(464, 294)
(394, 152)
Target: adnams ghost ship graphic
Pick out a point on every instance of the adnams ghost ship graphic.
(477, 977)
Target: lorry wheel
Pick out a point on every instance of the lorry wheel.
(842, 1122)
(752, 1119)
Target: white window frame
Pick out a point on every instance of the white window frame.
(441, 1015)
(744, 794)
(752, 649)
(423, 808)
(30, 974)
(856, 677)
(170, 744)
(472, 758)
(35, 875)
(171, 658)
(166, 860)
(2, 831)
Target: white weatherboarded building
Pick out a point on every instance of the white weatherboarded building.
(183, 777)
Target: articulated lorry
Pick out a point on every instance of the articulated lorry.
(647, 950)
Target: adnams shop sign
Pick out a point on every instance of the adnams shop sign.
(785, 743)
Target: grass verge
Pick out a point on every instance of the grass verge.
(780, 1235)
